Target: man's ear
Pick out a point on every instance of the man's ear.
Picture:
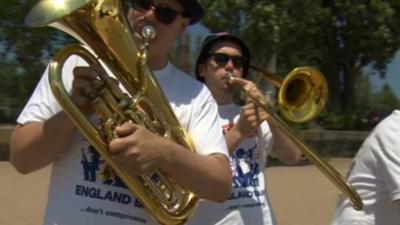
(185, 23)
(130, 16)
(201, 70)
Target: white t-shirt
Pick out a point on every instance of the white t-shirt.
(375, 174)
(248, 203)
(77, 193)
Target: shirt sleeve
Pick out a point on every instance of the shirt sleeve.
(42, 104)
(389, 155)
(266, 137)
(206, 129)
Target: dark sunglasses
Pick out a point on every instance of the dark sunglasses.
(221, 59)
(163, 13)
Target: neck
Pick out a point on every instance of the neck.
(157, 62)
(223, 98)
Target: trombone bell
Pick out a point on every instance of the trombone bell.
(302, 94)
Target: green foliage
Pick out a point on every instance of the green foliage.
(340, 37)
(12, 92)
(24, 52)
(332, 120)
(180, 55)
(368, 109)
(385, 100)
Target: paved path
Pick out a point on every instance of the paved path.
(22, 197)
(300, 195)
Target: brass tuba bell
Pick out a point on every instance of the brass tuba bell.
(101, 25)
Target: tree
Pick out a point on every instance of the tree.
(184, 52)
(340, 37)
(385, 100)
(12, 92)
(180, 54)
(24, 52)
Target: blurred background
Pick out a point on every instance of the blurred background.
(355, 44)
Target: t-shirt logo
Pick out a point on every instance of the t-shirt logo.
(94, 167)
(246, 168)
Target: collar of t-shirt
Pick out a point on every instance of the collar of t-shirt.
(228, 110)
(164, 72)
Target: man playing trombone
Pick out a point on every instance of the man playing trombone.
(222, 65)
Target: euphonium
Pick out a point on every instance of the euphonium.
(102, 26)
(301, 97)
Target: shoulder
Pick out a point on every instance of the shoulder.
(390, 126)
(190, 87)
(385, 136)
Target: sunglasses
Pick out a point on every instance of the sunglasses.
(162, 12)
(221, 59)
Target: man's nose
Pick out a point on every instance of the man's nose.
(147, 14)
(229, 64)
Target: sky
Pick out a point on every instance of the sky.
(392, 76)
(392, 73)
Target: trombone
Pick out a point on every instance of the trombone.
(301, 97)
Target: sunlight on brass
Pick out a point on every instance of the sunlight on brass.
(294, 102)
(101, 25)
(301, 95)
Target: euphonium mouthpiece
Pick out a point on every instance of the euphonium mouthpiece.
(148, 33)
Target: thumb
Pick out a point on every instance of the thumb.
(238, 81)
(126, 129)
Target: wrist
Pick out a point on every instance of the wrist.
(233, 138)
(170, 155)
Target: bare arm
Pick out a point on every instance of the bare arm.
(139, 151)
(208, 175)
(397, 202)
(38, 144)
(248, 123)
(284, 148)
(251, 116)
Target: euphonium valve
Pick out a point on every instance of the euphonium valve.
(102, 26)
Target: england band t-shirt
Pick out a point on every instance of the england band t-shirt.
(79, 193)
(248, 202)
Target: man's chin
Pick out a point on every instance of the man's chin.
(229, 88)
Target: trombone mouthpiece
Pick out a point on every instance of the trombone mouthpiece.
(230, 76)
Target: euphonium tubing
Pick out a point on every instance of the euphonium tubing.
(102, 26)
(333, 175)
